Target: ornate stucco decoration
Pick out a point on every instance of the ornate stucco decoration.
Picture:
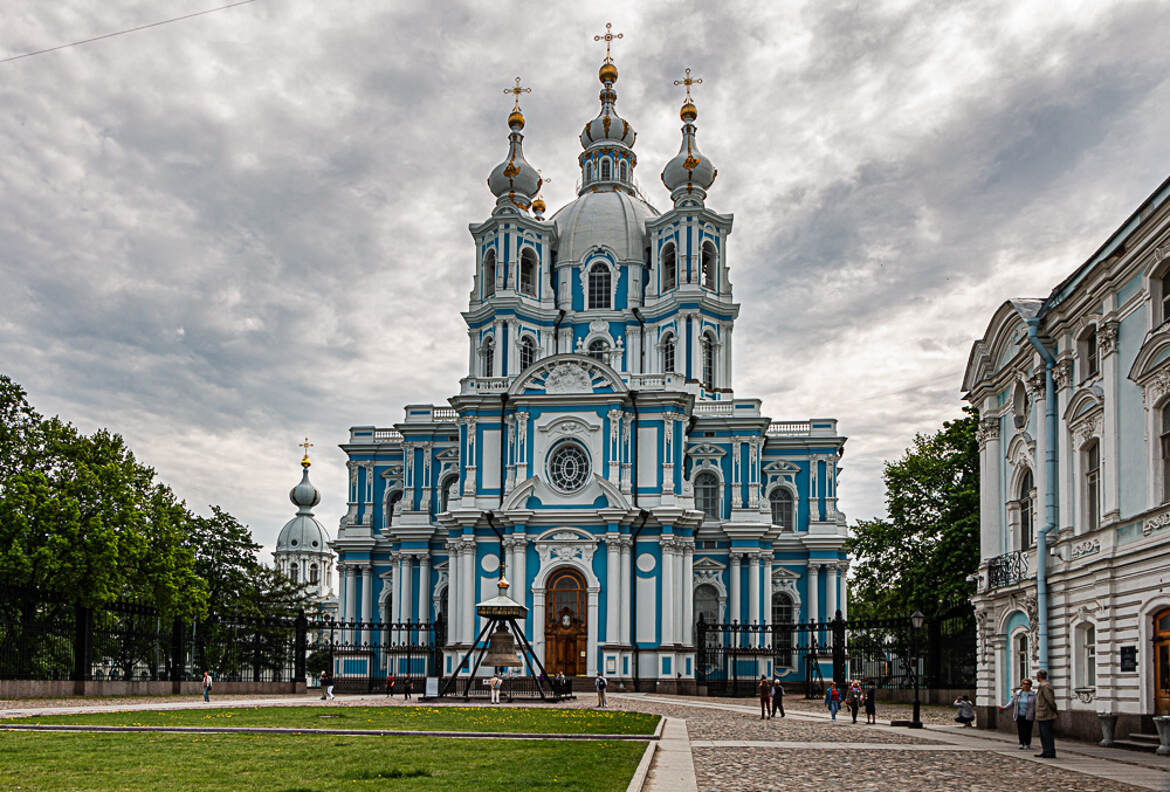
(985, 635)
(988, 431)
(566, 546)
(1085, 548)
(570, 426)
(568, 378)
(1107, 333)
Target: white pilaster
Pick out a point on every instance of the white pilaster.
(367, 592)
(735, 614)
(612, 585)
(624, 583)
(767, 605)
(424, 587)
(845, 590)
(754, 594)
(666, 612)
(688, 594)
(407, 591)
(831, 591)
(814, 595)
(468, 590)
(591, 637)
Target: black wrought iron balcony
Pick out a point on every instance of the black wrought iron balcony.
(1007, 569)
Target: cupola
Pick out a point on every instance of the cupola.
(689, 174)
(608, 160)
(514, 181)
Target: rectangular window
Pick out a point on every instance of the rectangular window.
(1090, 678)
(1092, 359)
(1092, 487)
(1165, 315)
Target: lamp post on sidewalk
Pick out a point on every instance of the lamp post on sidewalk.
(917, 619)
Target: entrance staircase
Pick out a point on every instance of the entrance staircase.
(1139, 741)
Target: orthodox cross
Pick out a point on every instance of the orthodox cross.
(305, 445)
(688, 81)
(516, 91)
(607, 38)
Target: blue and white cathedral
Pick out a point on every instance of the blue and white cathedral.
(598, 431)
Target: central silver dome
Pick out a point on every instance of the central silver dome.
(611, 218)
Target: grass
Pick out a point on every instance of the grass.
(445, 718)
(105, 762)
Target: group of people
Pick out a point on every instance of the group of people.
(392, 686)
(771, 697)
(854, 698)
(1035, 704)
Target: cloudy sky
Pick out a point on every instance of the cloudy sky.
(221, 235)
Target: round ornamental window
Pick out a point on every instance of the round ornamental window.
(568, 467)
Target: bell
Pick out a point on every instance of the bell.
(501, 649)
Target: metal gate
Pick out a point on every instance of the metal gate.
(362, 654)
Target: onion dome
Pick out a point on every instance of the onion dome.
(608, 127)
(305, 495)
(303, 533)
(514, 181)
(689, 174)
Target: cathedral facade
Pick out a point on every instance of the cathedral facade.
(596, 452)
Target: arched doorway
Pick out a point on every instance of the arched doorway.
(566, 629)
(1162, 663)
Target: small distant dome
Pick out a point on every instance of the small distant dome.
(304, 494)
(538, 206)
(608, 73)
(303, 533)
(689, 174)
(688, 113)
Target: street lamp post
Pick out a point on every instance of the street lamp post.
(916, 620)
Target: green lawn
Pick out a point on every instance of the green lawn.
(489, 719)
(105, 762)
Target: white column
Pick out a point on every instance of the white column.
(407, 591)
(624, 610)
(666, 576)
(453, 620)
(538, 624)
(989, 502)
(1111, 435)
(612, 589)
(845, 590)
(688, 594)
(767, 609)
(735, 615)
(814, 599)
(754, 594)
(831, 592)
(591, 638)
(367, 601)
(468, 590)
(424, 588)
(346, 592)
(520, 570)
(676, 595)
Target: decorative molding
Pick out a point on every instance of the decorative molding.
(1062, 373)
(1085, 548)
(987, 432)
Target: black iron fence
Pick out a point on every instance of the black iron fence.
(890, 653)
(50, 640)
(1007, 569)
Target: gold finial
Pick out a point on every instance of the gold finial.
(516, 91)
(688, 81)
(607, 38)
(538, 205)
(305, 445)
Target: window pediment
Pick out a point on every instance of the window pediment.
(705, 451)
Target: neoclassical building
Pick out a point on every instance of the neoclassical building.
(1073, 391)
(598, 431)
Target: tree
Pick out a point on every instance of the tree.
(920, 556)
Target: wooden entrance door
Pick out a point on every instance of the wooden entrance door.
(566, 629)
(1162, 663)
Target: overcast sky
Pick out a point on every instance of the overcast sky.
(224, 234)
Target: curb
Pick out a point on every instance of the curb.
(643, 772)
(651, 738)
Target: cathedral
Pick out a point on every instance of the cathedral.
(596, 452)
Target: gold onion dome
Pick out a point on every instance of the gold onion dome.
(538, 206)
(689, 174)
(514, 181)
(516, 120)
(688, 113)
(608, 73)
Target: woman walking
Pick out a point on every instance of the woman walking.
(833, 700)
(1023, 707)
(871, 703)
(853, 699)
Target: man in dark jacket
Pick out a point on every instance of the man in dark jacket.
(1045, 715)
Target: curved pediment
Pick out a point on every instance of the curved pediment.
(1083, 402)
(567, 374)
(1152, 357)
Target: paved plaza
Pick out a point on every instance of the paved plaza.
(713, 744)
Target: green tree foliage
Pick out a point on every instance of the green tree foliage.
(919, 557)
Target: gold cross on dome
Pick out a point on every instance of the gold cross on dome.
(516, 91)
(305, 445)
(607, 38)
(688, 81)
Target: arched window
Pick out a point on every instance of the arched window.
(708, 349)
(783, 617)
(669, 268)
(391, 504)
(1092, 477)
(314, 574)
(781, 502)
(706, 599)
(487, 354)
(588, 172)
(1021, 652)
(1090, 359)
(1027, 516)
(598, 348)
(1164, 280)
(1165, 452)
(625, 171)
(1086, 656)
(294, 572)
(599, 284)
(668, 355)
(446, 490)
(528, 272)
(605, 169)
(489, 273)
(710, 260)
(527, 353)
(707, 494)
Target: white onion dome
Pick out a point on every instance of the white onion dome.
(615, 219)
(689, 174)
(608, 127)
(303, 533)
(514, 181)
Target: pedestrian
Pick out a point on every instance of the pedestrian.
(600, 684)
(321, 682)
(407, 688)
(562, 688)
(871, 703)
(495, 686)
(777, 697)
(833, 700)
(966, 711)
(1023, 707)
(853, 699)
(764, 689)
(206, 685)
(389, 685)
(1045, 715)
(328, 684)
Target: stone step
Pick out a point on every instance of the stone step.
(1145, 737)
(1136, 745)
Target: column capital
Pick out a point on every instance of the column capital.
(1107, 336)
(988, 431)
